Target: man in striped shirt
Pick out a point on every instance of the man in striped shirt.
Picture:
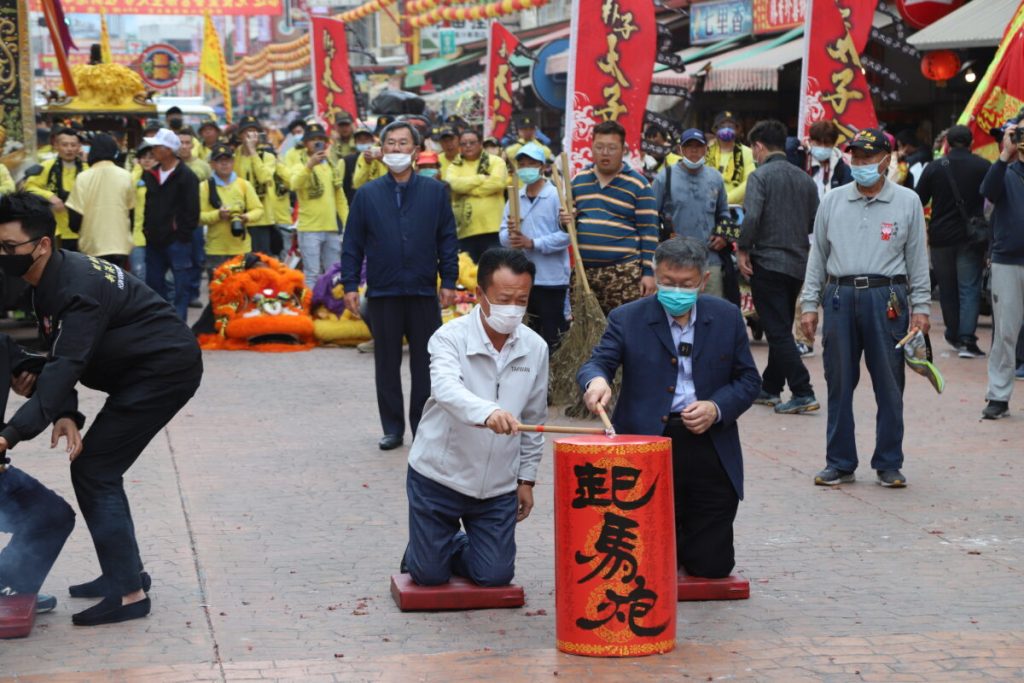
(617, 222)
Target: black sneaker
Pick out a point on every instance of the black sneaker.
(805, 350)
(970, 350)
(830, 476)
(891, 479)
(766, 399)
(995, 410)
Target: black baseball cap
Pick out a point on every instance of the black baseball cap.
(219, 151)
(342, 118)
(208, 123)
(314, 131)
(871, 140)
(249, 122)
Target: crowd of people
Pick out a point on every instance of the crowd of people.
(807, 225)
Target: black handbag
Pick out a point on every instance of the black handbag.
(978, 232)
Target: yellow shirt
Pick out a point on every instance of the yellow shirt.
(104, 194)
(138, 237)
(321, 196)
(240, 198)
(445, 163)
(200, 168)
(513, 150)
(6, 181)
(278, 205)
(367, 171)
(735, 183)
(478, 199)
(37, 185)
(258, 169)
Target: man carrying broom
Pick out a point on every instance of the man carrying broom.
(617, 222)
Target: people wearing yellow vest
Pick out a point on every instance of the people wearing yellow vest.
(55, 181)
(209, 135)
(729, 157)
(527, 134)
(323, 208)
(449, 140)
(104, 197)
(278, 205)
(478, 181)
(6, 181)
(187, 153)
(343, 137)
(146, 162)
(228, 204)
(369, 167)
(258, 168)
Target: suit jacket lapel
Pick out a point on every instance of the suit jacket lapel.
(658, 321)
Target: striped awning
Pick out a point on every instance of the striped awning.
(980, 23)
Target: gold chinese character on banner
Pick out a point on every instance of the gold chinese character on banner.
(328, 77)
(501, 85)
(843, 93)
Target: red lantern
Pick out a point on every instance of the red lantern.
(940, 65)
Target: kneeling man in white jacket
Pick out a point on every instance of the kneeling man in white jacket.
(469, 463)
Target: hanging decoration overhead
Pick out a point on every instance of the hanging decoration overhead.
(274, 57)
(940, 65)
(491, 10)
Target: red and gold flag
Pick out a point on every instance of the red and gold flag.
(1000, 94)
(331, 73)
(834, 85)
(501, 45)
(612, 48)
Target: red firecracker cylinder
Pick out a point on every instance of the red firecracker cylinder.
(615, 548)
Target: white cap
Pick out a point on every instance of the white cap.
(165, 137)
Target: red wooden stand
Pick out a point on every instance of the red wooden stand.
(458, 593)
(696, 588)
(17, 614)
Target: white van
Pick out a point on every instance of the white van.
(193, 109)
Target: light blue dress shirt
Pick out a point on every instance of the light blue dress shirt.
(686, 392)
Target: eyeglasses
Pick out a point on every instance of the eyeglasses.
(9, 247)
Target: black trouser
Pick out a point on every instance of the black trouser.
(118, 260)
(775, 298)
(476, 245)
(125, 425)
(706, 504)
(260, 237)
(547, 313)
(395, 317)
(958, 273)
(39, 522)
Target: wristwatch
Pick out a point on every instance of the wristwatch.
(525, 482)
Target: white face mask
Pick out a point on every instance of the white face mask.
(397, 162)
(505, 318)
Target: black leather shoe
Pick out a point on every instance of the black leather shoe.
(45, 603)
(97, 588)
(111, 611)
(195, 303)
(389, 442)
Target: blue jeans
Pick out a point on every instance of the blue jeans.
(198, 261)
(138, 261)
(856, 324)
(176, 256)
(485, 553)
(958, 273)
(39, 522)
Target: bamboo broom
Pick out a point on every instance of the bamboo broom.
(588, 319)
(514, 227)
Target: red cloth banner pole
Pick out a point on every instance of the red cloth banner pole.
(501, 45)
(615, 546)
(833, 81)
(53, 23)
(331, 75)
(612, 48)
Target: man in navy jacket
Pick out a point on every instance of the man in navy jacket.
(687, 373)
(403, 225)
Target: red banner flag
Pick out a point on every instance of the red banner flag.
(612, 47)
(501, 45)
(1000, 94)
(331, 74)
(834, 85)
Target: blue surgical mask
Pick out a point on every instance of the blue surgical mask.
(363, 146)
(726, 134)
(677, 300)
(428, 172)
(866, 176)
(821, 153)
(528, 176)
(693, 165)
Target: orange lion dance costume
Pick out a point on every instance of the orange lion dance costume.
(259, 304)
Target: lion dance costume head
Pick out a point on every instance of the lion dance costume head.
(259, 304)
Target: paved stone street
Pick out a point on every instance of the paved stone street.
(271, 523)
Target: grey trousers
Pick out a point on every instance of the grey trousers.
(1007, 314)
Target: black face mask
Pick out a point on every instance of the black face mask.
(16, 265)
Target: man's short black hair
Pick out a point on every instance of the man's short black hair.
(66, 130)
(32, 211)
(474, 132)
(770, 133)
(654, 130)
(610, 128)
(959, 136)
(500, 257)
(908, 138)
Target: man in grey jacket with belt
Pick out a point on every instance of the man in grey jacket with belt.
(468, 463)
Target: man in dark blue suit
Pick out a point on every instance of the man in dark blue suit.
(687, 373)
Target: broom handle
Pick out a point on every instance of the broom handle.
(513, 206)
(564, 188)
(556, 429)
